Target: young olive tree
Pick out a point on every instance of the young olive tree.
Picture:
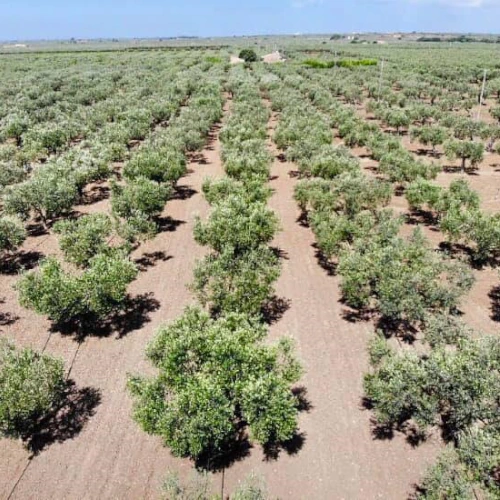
(404, 279)
(430, 134)
(237, 283)
(12, 233)
(237, 225)
(83, 238)
(213, 376)
(30, 384)
(465, 150)
(67, 297)
(156, 164)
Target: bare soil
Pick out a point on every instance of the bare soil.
(98, 452)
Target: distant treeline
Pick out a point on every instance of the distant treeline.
(342, 63)
(460, 39)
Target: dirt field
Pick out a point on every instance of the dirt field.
(104, 455)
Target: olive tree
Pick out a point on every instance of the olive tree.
(156, 164)
(430, 134)
(215, 375)
(12, 233)
(67, 297)
(404, 279)
(137, 204)
(237, 283)
(250, 226)
(465, 150)
(83, 238)
(30, 384)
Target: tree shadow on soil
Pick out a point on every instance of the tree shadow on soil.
(386, 432)
(183, 193)
(20, 261)
(458, 250)
(360, 315)
(95, 195)
(402, 329)
(148, 260)
(303, 219)
(65, 420)
(134, 314)
(494, 296)
(168, 224)
(324, 262)
(422, 217)
(274, 309)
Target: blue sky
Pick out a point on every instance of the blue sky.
(34, 19)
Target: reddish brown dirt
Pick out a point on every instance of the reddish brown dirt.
(481, 307)
(111, 457)
(340, 458)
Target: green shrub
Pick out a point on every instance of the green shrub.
(83, 238)
(65, 297)
(160, 165)
(215, 374)
(139, 195)
(12, 233)
(465, 150)
(30, 384)
(248, 55)
(237, 283)
(251, 225)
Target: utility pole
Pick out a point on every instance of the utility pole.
(380, 80)
(482, 96)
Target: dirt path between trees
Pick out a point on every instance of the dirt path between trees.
(339, 458)
(111, 457)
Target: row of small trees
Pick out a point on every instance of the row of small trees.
(217, 374)
(417, 291)
(91, 282)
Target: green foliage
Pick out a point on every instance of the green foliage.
(442, 329)
(66, 297)
(457, 388)
(158, 164)
(405, 278)
(249, 160)
(447, 479)
(139, 196)
(465, 150)
(422, 192)
(430, 134)
(329, 162)
(47, 194)
(237, 283)
(83, 238)
(210, 371)
(251, 225)
(30, 384)
(197, 487)
(11, 173)
(12, 233)
(248, 55)
(402, 167)
(252, 190)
